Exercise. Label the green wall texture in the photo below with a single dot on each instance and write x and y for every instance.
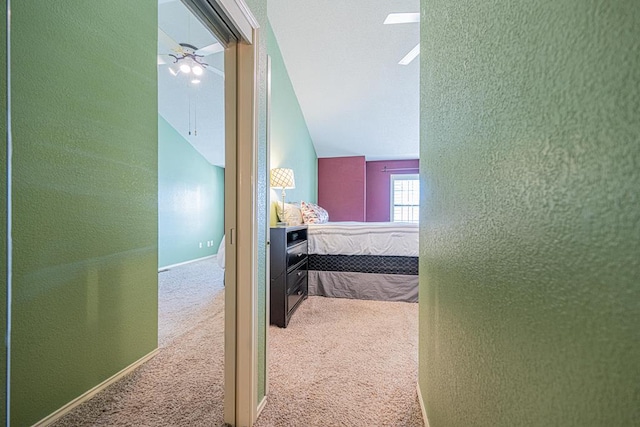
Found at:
(190, 200)
(291, 144)
(85, 197)
(3, 208)
(530, 226)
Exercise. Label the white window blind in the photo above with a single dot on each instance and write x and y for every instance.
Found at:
(405, 198)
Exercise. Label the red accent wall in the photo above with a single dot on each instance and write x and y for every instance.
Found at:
(378, 188)
(342, 187)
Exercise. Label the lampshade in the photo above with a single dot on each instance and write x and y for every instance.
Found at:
(282, 178)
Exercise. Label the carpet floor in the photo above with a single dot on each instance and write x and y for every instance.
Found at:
(344, 362)
(183, 291)
(339, 363)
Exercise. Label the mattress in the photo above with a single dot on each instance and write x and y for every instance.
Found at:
(364, 260)
(364, 238)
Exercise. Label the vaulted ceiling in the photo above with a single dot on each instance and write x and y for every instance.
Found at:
(343, 64)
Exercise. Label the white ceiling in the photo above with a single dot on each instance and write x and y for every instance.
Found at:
(198, 108)
(343, 64)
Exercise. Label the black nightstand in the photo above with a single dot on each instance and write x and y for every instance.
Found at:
(289, 284)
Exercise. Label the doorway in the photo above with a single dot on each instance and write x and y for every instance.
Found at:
(219, 44)
(237, 30)
(208, 65)
(191, 158)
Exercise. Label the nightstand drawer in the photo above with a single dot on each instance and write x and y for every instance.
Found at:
(296, 254)
(295, 297)
(297, 236)
(296, 277)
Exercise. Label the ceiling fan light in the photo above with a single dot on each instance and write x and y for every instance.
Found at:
(185, 68)
(195, 81)
(197, 70)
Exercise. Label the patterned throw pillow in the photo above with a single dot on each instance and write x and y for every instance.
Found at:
(313, 214)
(292, 214)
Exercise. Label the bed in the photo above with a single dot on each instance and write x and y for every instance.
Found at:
(364, 260)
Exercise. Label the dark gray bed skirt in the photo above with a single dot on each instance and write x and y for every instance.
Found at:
(371, 286)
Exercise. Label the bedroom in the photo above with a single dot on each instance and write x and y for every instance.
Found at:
(292, 146)
(191, 144)
(365, 135)
(355, 188)
(185, 121)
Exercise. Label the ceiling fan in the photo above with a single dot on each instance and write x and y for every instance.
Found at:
(405, 18)
(187, 58)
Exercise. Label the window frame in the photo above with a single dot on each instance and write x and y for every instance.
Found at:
(392, 204)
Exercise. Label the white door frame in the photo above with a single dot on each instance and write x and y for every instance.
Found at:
(241, 374)
(241, 40)
(268, 240)
(244, 296)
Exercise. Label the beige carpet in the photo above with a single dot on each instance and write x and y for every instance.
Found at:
(344, 362)
(339, 363)
(182, 292)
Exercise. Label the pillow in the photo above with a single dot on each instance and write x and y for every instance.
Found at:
(291, 215)
(313, 214)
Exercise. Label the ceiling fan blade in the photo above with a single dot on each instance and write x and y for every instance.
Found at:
(402, 18)
(214, 70)
(168, 42)
(413, 53)
(210, 50)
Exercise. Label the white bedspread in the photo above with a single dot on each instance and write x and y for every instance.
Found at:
(364, 238)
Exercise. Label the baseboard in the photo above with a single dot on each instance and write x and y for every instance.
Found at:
(89, 394)
(261, 406)
(422, 408)
(186, 262)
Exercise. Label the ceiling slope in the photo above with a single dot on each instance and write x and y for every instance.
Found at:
(343, 64)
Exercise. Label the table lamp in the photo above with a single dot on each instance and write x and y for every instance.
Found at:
(282, 178)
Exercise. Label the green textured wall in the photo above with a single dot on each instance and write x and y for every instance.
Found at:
(85, 196)
(259, 10)
(3, 206)
(190, 200)
(530, 227)
(291, 144)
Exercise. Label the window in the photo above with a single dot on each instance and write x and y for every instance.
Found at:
(405, 198)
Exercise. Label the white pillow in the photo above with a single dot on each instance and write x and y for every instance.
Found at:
(313, 214)
(292, 214)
